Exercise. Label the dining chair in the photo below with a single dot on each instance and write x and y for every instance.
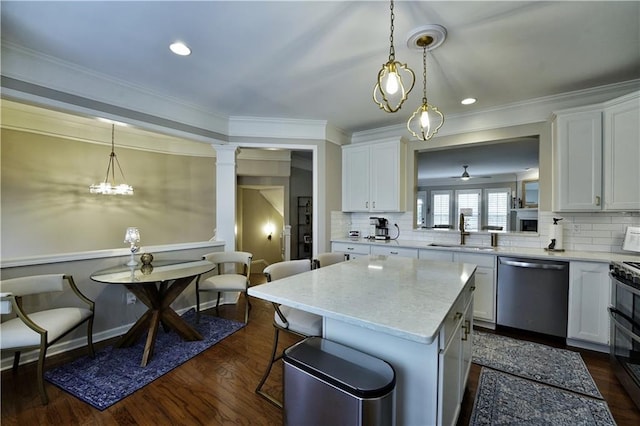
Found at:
(326, 259)
(42, 328)
(294, 321)
(226, 281)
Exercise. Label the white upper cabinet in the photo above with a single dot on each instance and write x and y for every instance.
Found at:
(578, 160)
(621, 143)
(596, 154)
(373, 177)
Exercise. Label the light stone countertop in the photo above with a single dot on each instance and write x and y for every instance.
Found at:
(538, 253)
(407, 298)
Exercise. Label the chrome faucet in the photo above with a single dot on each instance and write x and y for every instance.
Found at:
(463, 233)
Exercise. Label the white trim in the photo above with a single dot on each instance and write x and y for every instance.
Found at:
(101, 254)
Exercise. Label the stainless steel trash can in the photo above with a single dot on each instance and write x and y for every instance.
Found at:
(326, 383)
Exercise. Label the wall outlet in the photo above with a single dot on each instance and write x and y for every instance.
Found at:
(131, 298)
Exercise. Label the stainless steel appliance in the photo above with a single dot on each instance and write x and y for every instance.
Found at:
(533, 295)
(625, 325)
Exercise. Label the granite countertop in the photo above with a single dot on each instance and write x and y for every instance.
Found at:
(538, 253)
(407, 298)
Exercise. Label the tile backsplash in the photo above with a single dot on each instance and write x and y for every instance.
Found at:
(602, 232)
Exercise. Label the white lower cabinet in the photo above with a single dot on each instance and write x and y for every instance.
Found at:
(455, 358)
(394, 251)
(484, 305)
(353, 250)
(589, 298)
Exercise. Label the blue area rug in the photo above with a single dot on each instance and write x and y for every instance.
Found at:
(545, 364)
(504, 399)
(115, 373)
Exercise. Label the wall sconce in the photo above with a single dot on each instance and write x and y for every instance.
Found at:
(269, 229)
(132, 236)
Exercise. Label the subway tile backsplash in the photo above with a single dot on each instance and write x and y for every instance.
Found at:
(603, 232)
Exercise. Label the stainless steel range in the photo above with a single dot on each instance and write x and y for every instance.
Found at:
(625, 325)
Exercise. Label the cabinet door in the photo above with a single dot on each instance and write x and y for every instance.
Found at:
(450, 375)
(622, 154)
(578, 162)
(386, 192)
(589, 297)
(467, 343)
(355, 179)
(485, 283)
(354, 250)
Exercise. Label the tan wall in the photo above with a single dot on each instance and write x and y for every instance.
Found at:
(46, 207)
(256, 212)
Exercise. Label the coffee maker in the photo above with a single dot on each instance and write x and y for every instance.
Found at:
(381, 227)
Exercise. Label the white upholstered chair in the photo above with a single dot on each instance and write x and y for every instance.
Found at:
(41, 329)
(288, 319)
(226, 281)
(326, 259)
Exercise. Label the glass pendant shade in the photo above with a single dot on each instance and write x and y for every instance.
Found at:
(109, 187)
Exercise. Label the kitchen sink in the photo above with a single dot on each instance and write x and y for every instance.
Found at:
(465, 247)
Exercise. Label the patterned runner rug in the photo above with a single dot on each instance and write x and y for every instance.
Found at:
(556, 367)
(115, 373)
(504, 399)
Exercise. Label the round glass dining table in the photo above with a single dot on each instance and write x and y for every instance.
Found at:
(156, 285)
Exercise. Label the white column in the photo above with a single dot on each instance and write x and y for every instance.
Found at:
(226, 194)
(286, 241)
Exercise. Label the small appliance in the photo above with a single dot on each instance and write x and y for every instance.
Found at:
(381, 228)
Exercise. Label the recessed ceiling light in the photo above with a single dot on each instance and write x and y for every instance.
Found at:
(179, 48)
(468, 101)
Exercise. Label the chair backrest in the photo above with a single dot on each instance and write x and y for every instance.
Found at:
(225, 257)
(326, 259)
(286, 268)
(34, 284)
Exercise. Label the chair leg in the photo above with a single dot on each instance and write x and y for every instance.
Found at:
(273, 359)
(92, 352)
(16, 360)
(218, 304)
(43, 392)
(246, 308)
(197, 306)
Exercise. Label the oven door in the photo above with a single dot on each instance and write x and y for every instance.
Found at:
(625, 336)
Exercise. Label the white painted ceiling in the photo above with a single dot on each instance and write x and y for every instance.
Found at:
(318, 60)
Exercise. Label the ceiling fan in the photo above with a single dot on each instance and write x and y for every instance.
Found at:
(465, 175)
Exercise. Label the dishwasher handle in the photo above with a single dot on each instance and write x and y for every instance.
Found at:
(532, 265)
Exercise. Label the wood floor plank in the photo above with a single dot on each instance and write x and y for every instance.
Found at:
(217, 386)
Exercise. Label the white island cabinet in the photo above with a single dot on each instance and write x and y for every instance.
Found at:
(414, 314)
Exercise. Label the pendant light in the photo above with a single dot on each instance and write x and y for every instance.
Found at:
(109, 187)
(395, 80)
(425, 122)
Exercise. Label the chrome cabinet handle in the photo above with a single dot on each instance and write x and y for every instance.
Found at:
(467, 327)
(374, 204)
(393, 252)
(366, 204)
(597, 200)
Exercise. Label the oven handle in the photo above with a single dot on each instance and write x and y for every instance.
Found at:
(612, 313)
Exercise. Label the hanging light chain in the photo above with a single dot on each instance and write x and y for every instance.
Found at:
(424, 75)
(392, 50)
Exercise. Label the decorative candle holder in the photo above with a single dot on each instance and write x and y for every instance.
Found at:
(132, 236)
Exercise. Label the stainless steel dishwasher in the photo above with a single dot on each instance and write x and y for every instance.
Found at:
(533, 295)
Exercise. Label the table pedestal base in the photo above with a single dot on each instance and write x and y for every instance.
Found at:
(158, 299)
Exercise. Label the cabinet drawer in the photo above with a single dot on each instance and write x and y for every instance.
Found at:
(442, 255)
(483, 260)
(362, 249)
(453, 320)
(394, 251)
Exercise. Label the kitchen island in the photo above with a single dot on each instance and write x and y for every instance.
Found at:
(415, 314)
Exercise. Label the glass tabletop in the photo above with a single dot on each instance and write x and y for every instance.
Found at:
(158, 271)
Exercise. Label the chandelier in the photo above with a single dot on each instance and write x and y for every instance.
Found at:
(109, 187)
(425, 122)
(390, 90)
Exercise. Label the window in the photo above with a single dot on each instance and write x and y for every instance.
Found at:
(469, 204)
(441, 208)
(498, 208)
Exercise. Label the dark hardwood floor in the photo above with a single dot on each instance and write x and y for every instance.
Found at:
(217, 386)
